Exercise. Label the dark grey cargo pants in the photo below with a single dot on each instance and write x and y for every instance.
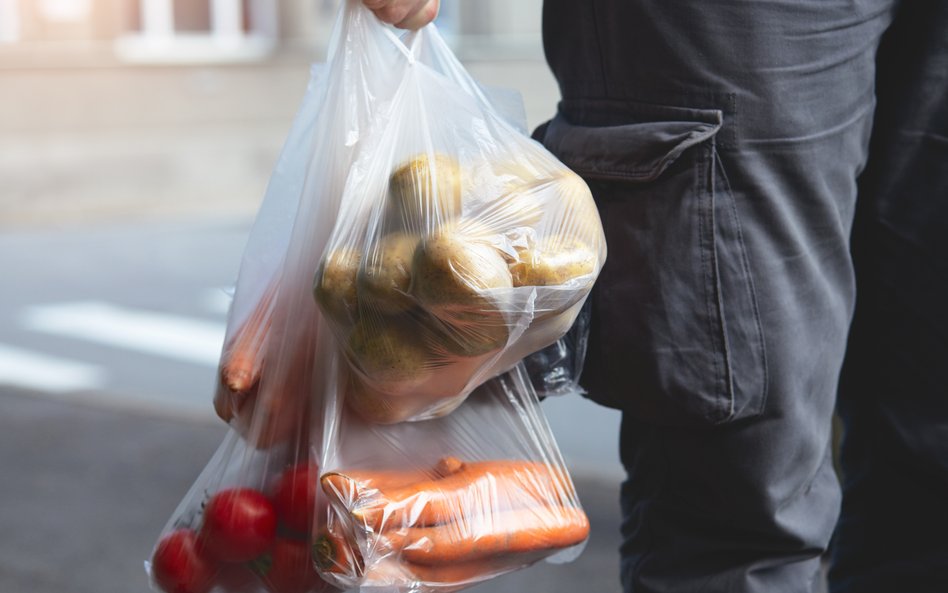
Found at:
(723, 141)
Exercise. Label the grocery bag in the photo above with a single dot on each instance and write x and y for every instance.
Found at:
(247, 522)
(460, 246)
(246, 525)
(557, 369)
(297, 380)
(447, 503)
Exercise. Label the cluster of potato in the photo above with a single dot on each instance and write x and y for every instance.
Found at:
(434, 298)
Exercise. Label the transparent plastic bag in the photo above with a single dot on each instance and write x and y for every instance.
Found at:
(461, 245)
(447, 503)
(268, 372)
(246, 524)
(284, 380)
(556, 370)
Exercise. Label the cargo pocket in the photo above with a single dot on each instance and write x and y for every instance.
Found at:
(675, 332)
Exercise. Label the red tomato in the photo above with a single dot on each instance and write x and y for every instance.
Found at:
(294, 497)
(239, 524)
(290, 568)
(180, 566)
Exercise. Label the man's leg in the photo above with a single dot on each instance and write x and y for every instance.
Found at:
(721, 316)
(893, 532)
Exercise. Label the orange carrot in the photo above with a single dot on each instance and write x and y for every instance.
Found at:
(447, 577)
(447, 466)
(242, 359)
(228, 404)
(365, 482)
(509, 484)
(353, 488)
(333, 553)
(497, 535)
(458, 573)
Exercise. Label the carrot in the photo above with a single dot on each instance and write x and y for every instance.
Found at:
(353, 484)
(493, 483)
(448, 577)
(497, 535)
(333, 553)
(354, 488)
(228, 404)
(469, 572)
(242, 359)
(447, 466)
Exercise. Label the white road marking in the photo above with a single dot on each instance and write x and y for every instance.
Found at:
(47, 373)
(171, 336)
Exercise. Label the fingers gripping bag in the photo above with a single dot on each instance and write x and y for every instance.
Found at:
(246, 523)
(447, 503)
(461, 245)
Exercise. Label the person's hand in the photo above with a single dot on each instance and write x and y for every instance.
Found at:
(404, 14)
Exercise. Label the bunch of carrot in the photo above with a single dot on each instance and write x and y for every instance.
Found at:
(242, 359)
(267, 412)
(459, 523)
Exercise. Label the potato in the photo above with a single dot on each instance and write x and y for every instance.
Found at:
(452, 275)
(392, 354)
(386, 278)
(523, 167)
(379, 408)
(553, 261)
(427, 191)
(544, 330)
(433, 391)
(517, 201)
(577, 210)
(335, 285)
(470, 338)
(523, 206)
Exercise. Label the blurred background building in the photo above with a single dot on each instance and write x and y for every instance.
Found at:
(56, 32)
(111, 109)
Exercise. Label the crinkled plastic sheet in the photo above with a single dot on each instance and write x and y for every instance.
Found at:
(290, 376)
(461, 245)
(446, 503)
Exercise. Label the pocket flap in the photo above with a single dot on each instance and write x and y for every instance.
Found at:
(634, 152)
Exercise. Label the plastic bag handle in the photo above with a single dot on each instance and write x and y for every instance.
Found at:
(409, 49)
